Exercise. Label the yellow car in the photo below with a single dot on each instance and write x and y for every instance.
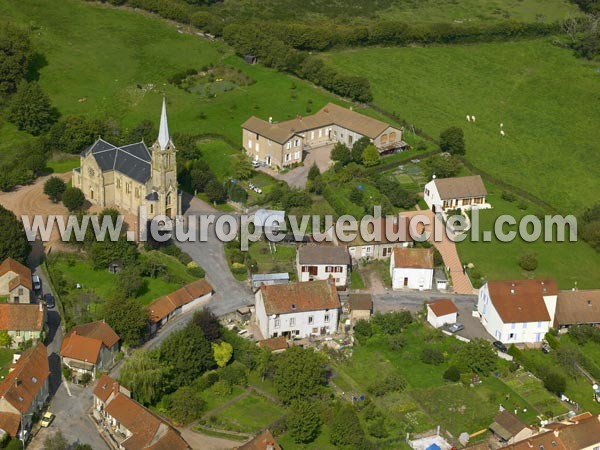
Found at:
(47, 419)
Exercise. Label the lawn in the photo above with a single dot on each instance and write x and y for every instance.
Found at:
(249, 414)
(63, 163)
(278, 258)
(545, 98)
(218, 154)
(499, 260)
(6, 356)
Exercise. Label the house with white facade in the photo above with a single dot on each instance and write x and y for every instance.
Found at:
(441, 312)
(321, 262)
(23, 322)
(298, 309)
(518, 311)
(412, 268)
(442, 194)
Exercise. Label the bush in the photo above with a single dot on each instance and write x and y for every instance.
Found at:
(508, 196)
(73, 198)
(363, 330)
(432, 355)
(392, 383)
(234, 374)
(452, 374)
(184, 258)
(452, 140)
(196, 271)
(221, 388)
(552, 341)
(54, 188)
(554, 381)
(528, 261)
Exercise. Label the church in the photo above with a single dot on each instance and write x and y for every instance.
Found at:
(131, 176)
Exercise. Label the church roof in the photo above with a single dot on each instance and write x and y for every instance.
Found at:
(133, 160)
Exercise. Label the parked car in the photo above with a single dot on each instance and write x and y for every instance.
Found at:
(455, 327)
(47, 419)
(255, 164)
(500, 346)
(49, 299)
(37, 283)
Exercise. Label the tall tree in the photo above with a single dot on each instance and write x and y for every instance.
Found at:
(128, 318)
(222, 353)
(299, 374)
(145, 376)
(188, 353)
(304, 421)
(452, 140)
(15, 56)
(13, 241)
(73, 198)
(215, 191)
(54, 188)
(186, 405)
(370, 156)
(346, 430)
(340, 153)
(208, 323)
(30, 108)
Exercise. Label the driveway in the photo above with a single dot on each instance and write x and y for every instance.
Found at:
(297, 177)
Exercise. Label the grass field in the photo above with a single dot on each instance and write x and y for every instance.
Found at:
(546, 98)
(352, 11)
(6, 355)
(249, 414)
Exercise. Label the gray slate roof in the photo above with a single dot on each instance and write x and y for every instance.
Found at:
(133, 160)
(323, 254)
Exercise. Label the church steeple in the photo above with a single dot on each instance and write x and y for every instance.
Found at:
(163, 134)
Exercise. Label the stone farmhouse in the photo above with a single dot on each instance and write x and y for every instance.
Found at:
(15, 281)
(321, 262)
(23, 323)
(282, 144)
(132, 176)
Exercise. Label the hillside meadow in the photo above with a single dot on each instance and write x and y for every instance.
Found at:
(546, 99)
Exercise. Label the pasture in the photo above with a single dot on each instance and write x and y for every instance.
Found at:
(546, 99)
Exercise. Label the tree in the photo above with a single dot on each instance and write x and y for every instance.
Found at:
(242, 167)
(30, 109)
(432, 355)
(358, 148)
(143, 131)
(363, 330)
(345, 428)
(129, 282)
(188, 353)
(215, 191)
(356, 195)
(54, 188)
(391, 322)
(222, 353)
(128, 318)
(5, 339)
(370, 156)
(14, 243)
(313, 172)
(144, 375)
(73, 134)
(477, 356)
(340, 153)
(452, 374)
(452, 140)
(554, 381)
(304, 421)
(234, 373)
(102, 253)
(528, 261)
(206, 320)
(56, 442)
(15, 56)
(442, 166)
(186, 405)
(299, 374)
(73, 198)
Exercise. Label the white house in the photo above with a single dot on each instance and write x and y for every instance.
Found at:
(412, 268)
(518, 311)
(441, 312)
(320, 262)
(298, 309)
(451, 193)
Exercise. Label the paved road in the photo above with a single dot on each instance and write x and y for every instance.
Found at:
(297, 177)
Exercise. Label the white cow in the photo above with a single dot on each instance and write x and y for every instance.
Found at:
(468, 118)
(502, 132)
(473, 118)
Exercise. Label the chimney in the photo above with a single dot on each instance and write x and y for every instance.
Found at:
(556, 433)
(41, 306)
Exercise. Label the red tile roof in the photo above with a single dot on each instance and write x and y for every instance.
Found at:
(274, 344)
(295, 297)
(360, 302)
(81, 348)
(23, 274)
(518, 301)
(413, 258)
(323, 254)
(443, 307)
(21, 317)
(31, 371)
(163, 306)
(10, 423)
(578, 307)
(97, 330)
(149, 432)
(264, 441)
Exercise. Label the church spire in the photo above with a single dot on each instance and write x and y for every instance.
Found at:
(163, 133)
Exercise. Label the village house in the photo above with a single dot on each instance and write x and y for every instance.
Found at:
(321, 262)
(412, 268)
(15, 281)
(509, 428)
(298, 310)
(443, 194)
(274, 345)
(90, 347)
(577, 307)
(382, 236)
(441, 312)
(24, 391)
(183, 299)
(132, 176)
(282, 144)
(264, 441)
(23, 323)
(518, 311)
(129, 425)
(360, 307)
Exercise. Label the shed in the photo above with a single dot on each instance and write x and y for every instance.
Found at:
(440, 278)
(441, 312)
(270, 279)
(510, 428)
(115, 266)
(250, 59)
(360, 307)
